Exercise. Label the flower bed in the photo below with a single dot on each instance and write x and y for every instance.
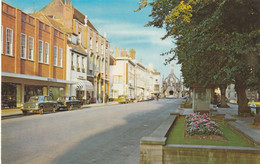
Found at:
(201, 125)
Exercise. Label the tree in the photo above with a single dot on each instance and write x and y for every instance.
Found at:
(213, 38)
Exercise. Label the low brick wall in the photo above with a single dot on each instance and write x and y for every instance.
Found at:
(153, 150)
(200, 154)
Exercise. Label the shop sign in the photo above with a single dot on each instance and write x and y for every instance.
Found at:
(52, 79)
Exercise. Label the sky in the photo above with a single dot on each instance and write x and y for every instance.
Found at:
(124, 28)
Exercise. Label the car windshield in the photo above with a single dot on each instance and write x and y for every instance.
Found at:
(36, 99)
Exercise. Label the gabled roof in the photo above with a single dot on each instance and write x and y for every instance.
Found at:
(81, 17)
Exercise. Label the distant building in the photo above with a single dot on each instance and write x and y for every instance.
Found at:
(172, 87)
(130, 77)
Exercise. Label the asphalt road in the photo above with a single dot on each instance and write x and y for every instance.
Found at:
(101, 135)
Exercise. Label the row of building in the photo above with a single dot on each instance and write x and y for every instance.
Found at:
(57, 51)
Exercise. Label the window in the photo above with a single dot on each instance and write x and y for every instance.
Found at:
(9, 41)
(60, 56)
(23, 46)
(40, 51)
(97, 46)
(46, 53)
(2, 39)
(31, 48)
(83, 66)
(72, 64)
(102, 48)
(90, 43)
(55, 55)
(77, 60)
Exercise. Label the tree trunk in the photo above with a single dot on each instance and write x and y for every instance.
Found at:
(223, 97)
(242, 98)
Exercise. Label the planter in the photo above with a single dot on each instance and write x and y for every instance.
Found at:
(155, 149)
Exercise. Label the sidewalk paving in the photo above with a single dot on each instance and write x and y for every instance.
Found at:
(242, 124)
(17, 111)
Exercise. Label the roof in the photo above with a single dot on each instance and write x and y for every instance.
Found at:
(81, 17)
(77, 47)
(55, 23)
(58, 24)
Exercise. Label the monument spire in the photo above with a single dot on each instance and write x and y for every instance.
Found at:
(172, 68)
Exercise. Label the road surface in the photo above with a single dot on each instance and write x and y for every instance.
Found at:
(101, 135)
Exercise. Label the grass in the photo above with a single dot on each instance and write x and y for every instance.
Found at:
(233, 139)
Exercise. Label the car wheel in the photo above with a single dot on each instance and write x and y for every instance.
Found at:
(25, 112)
(70, 107)
(41, 110)
(53, 109)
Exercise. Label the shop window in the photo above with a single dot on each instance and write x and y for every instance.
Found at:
(11, 95)
(32, 90)
(56, 92)
(23, 46)
(9, 41)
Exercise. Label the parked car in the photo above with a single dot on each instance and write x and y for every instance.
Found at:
(140, 99)
(123, 99)
(69, 102)
(8, 101)
(39, 104)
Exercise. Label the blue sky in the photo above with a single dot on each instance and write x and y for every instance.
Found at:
(124, 27)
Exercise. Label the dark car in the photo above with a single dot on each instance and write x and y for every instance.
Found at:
(39, 104)
(8, 101)
(69, 102)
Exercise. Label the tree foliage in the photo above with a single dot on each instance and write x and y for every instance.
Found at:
(214, 38)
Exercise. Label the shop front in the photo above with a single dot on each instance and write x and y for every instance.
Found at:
(82, 89)
(17, 88)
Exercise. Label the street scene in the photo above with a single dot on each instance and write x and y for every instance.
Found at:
(128, 82)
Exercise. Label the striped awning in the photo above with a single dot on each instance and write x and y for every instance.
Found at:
(84, 85)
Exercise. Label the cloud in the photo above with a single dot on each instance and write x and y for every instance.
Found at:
(130, 33)
(28, 10)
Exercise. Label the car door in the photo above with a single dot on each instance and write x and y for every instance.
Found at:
(46, 103)
(51, 102)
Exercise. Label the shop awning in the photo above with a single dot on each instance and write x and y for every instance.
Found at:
(84, 85)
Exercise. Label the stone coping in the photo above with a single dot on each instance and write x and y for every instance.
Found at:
(159, 136)
(212, 147)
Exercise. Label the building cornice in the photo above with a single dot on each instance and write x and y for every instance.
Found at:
(31, 77)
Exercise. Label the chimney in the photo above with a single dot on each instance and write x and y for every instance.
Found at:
(123, 53)
(105, 35)
(132, 54)
(86, 20)
(116, 52)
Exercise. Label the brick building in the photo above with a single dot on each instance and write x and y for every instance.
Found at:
(33, 57)
(87, 50)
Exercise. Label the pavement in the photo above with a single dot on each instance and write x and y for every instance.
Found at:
(16, 111)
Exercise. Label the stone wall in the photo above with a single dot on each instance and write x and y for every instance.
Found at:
(198, 154)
